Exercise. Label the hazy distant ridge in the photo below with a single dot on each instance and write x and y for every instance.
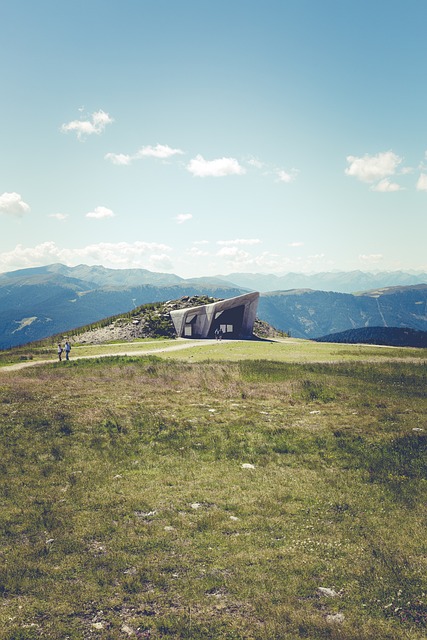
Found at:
(340, 281)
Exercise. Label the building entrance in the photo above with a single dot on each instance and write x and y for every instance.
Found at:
(230, 321)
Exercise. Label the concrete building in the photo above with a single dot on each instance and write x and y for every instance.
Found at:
(234, 316)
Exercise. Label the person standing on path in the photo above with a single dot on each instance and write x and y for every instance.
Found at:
(60, 350)
(67, 350)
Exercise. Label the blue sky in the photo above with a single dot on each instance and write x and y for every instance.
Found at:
(203, 138)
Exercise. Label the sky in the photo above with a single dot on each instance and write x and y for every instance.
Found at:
(202, 138)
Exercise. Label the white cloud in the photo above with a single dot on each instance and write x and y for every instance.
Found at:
(285, 176)
(282, 175)
(254, 162)
(160, 261)
(372, 168)
(162, 151)
(370, 259)
(83, 128)
(239, 241)
(385, 185)
(238, 255)
(121, 254)
(295, 244)
(58, 216)
(220, 167)
(23, 257)
(422, 182)
(118, 255)
(118, 158)
(183, 217)
(195, 252)
(13, 204)
(237, 259)
(99, 213)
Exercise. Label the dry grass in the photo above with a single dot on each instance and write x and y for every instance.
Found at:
(126, 508)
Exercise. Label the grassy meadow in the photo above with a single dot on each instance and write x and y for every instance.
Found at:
(233, 491)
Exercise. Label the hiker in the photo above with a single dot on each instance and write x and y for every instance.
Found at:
(67, 350)
(60, 350)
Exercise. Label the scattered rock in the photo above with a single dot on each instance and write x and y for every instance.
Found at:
(195, 505)
(247, 465)
(98, 625)
(325, 591)
(335, 618)
(128, 630)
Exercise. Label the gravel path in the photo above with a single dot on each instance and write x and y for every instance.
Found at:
(139, 352)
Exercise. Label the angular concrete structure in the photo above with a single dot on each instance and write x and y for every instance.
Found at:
(235, 317)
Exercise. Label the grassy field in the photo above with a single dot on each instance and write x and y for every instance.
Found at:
(48, 352)
(284, 350)
(232, 491)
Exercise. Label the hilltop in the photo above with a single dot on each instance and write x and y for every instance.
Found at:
(150, 321)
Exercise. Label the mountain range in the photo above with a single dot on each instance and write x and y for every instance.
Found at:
(305, 313)
(337, 281)
(43, 301)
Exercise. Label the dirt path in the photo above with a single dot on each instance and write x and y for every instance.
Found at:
(139, 352)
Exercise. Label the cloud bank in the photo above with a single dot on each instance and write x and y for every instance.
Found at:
(239, 241)
(13, 204)
(422, 182)
(146, 255)
(100, 213)
(83, 128)
(183, 217)
(220, 167)
(160, 151)
(375, 169)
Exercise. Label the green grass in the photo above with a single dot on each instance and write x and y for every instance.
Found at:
(125, 505)
(294, 350)
(284, 350)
